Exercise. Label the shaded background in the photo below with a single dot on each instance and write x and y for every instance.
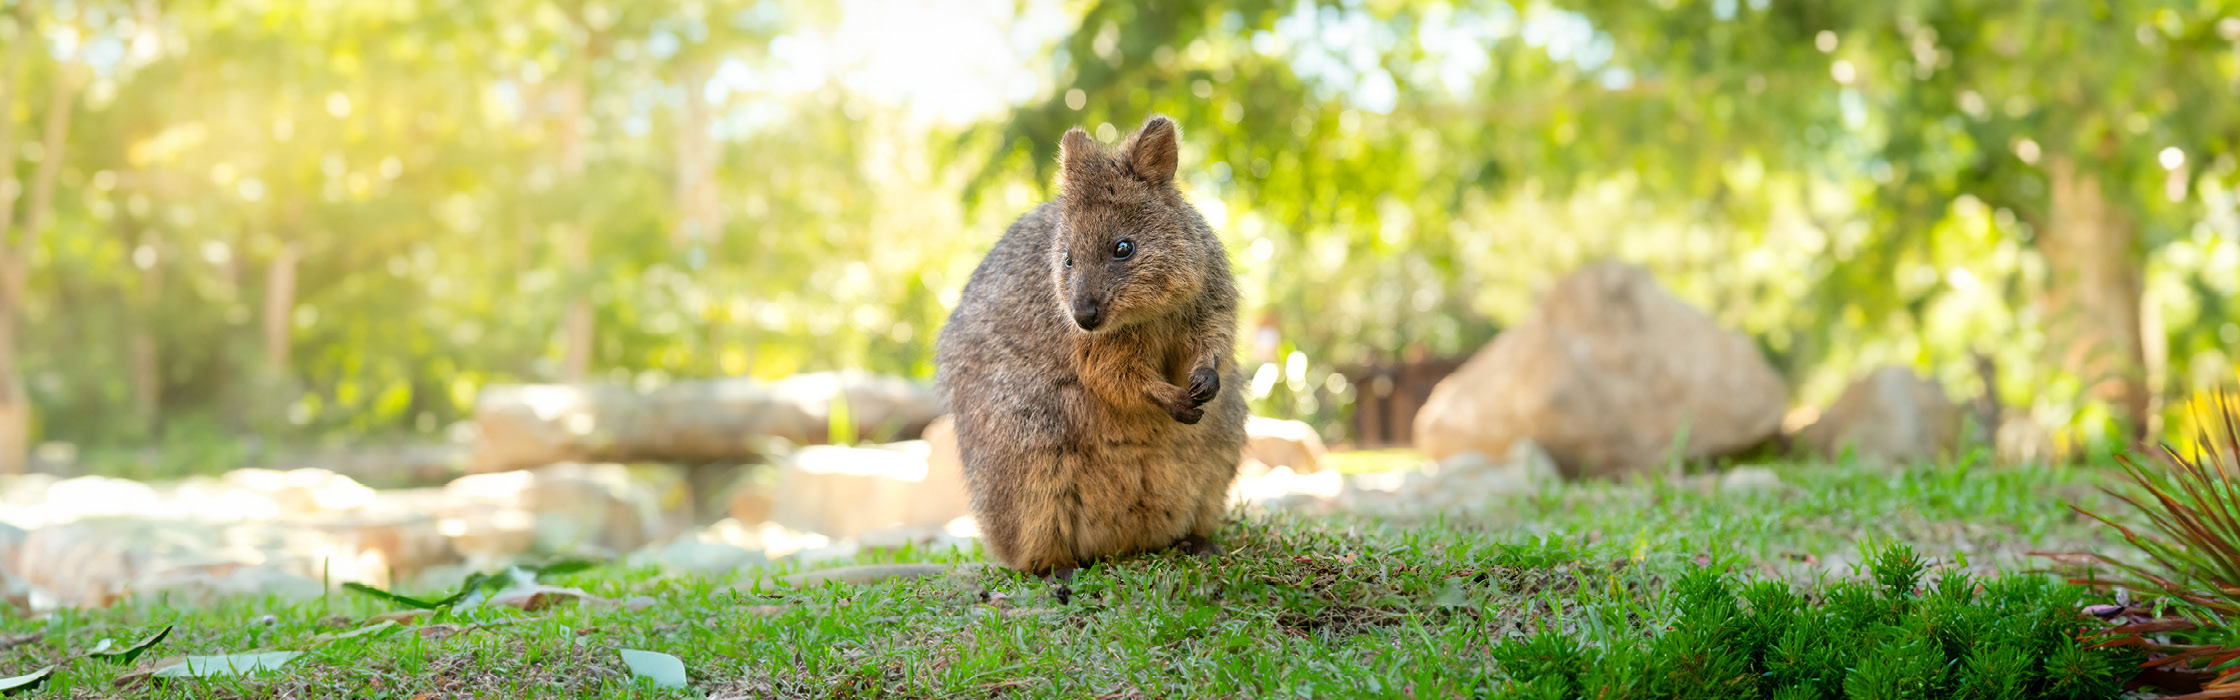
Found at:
(235, 227)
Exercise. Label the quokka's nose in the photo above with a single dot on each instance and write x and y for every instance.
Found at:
(1088, 316)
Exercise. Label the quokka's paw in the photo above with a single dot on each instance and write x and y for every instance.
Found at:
(1205, 384)
(1186, 414)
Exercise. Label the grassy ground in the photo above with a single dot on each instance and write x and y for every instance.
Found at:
(1305, 605)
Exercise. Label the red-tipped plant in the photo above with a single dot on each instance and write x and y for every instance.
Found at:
(2191, 543)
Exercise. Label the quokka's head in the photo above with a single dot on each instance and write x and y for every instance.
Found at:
(1129, 248)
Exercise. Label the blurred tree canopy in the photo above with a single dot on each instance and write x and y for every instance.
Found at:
(341, 219)
(1854, 183)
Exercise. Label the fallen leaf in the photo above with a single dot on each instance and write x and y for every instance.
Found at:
(473, 585)
(536, 598)
(145, 669)
(407, 601)
(28, 681)
(664, 670)
(13, 642)
(401, 617)
(560, 568)
(369, 629)
(227, 665)
(376, 628)
(131, 653)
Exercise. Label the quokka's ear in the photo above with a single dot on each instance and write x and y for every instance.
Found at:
(1078, 156)
(1151, 152)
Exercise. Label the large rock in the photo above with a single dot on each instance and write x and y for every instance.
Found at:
(842, 492)
(1463, 481)
(386, 466)
(1890, 415)
(565, 509)
(1608, 375)
(728, 420)
(98, 560)
(89, 540)
(1277, 444)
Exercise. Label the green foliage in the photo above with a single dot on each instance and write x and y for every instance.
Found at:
(1549, 660)
(2075, 673)
(2017, 640)
(1899, 670)
(446, 187)
(1620, 673)
(1994, 673)
(1898, 569)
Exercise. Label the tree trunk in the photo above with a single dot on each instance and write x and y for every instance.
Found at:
(15, 410)
(143, 354)
(699, 206)
(279, 309)
(15, 402)
(2092, 298)
(15, 268)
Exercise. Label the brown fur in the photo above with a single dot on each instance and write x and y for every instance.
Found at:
(1082, 445)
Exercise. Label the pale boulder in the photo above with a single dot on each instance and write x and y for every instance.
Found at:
(1608, 376)
(1749, 479)
(1891, 415)
(98, 560)
(841, 492)
(1276, 443)
(1463, 481)
(725, 420)
(578, 509)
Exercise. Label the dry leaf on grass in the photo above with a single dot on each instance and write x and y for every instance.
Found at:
(534, 598)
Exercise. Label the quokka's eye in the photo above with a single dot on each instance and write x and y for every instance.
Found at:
(1069, 261)
(1123, 249)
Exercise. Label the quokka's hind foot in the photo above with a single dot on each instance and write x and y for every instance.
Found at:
(1199, 546)
(1064, 580)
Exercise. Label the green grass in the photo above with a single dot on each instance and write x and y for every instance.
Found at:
(1309, 606)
